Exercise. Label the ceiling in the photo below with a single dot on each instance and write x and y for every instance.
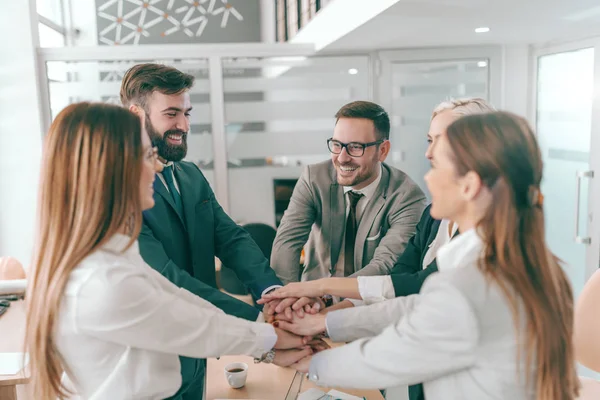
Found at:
(426, 23)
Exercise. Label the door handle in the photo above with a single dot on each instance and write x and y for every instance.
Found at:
(580, 176)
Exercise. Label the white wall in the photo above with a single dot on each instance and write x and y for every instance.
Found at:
(83, 18)
(20, 131)
(516, 80)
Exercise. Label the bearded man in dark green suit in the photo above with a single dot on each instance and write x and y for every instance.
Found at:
(187, 228)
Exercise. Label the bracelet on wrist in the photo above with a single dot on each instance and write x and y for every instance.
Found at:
(266, 358)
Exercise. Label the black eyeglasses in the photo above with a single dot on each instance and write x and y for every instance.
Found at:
(354, 149)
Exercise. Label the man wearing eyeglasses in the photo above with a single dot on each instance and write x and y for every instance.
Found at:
(354, 213)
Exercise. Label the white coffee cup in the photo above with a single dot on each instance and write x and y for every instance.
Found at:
(236, 374)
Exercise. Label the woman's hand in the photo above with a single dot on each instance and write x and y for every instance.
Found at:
(285, 358)
(310, 325)
(303, 365)
(318, 345)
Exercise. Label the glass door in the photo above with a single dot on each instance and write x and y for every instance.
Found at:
(565, 86)
(413, 82)
(565, 125)
(417, 88)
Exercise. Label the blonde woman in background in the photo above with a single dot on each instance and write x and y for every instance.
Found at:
(95, 310)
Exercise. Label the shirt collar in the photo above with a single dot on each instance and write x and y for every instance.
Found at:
(463, 250)
(445, 223)
(167, 164)
(118, 242)
(369, 190)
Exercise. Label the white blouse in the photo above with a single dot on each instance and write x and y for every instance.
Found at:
(374, 289)
(122, 326)
(457, 336)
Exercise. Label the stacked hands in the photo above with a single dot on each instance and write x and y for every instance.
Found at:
(297, 312)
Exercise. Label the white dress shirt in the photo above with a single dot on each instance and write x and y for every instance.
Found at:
(367, 192)
(374, 289)
(162, 178)
(122, 326)
(367, 195)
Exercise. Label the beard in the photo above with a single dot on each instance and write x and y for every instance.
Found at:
(166, 150)
(362, 175)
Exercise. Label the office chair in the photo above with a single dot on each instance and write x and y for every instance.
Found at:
(264, 236)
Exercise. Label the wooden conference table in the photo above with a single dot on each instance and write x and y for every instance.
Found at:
(265, 382)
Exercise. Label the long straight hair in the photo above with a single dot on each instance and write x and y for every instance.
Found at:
(501, 148)
(89, 191)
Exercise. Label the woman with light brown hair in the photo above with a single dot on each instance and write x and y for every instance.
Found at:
(96, 311)
(496, 321)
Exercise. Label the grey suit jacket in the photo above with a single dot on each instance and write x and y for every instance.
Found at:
(317, 214)
(457, 337)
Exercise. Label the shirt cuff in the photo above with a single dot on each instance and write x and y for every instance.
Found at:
(375, 289)
(327, 328)
(261, 317)
(267, 332)
(272, 287)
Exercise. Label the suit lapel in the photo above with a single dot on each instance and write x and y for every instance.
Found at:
(337, 221)
(186, 188)
(367, 219)
(160, 188)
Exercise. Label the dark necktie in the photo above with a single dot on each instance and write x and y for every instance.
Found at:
(350, 238)
(167, 173)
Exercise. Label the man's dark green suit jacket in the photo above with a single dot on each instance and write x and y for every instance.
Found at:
(183, 249)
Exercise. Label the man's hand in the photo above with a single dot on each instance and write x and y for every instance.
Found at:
(309, 305)
(296, 290)
(269, 310)
(288, 340)
(285, 358)
(310, 325)
(287, 306)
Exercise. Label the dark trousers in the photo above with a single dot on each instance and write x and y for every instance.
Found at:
(192, 379)
(415, 392)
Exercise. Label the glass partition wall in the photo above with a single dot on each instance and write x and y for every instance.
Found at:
(260, 112)
(279, 113)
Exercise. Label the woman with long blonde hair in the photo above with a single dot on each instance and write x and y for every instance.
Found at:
(96, 311)
(496, 321)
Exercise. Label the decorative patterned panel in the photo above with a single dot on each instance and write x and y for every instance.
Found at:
(129, 21)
